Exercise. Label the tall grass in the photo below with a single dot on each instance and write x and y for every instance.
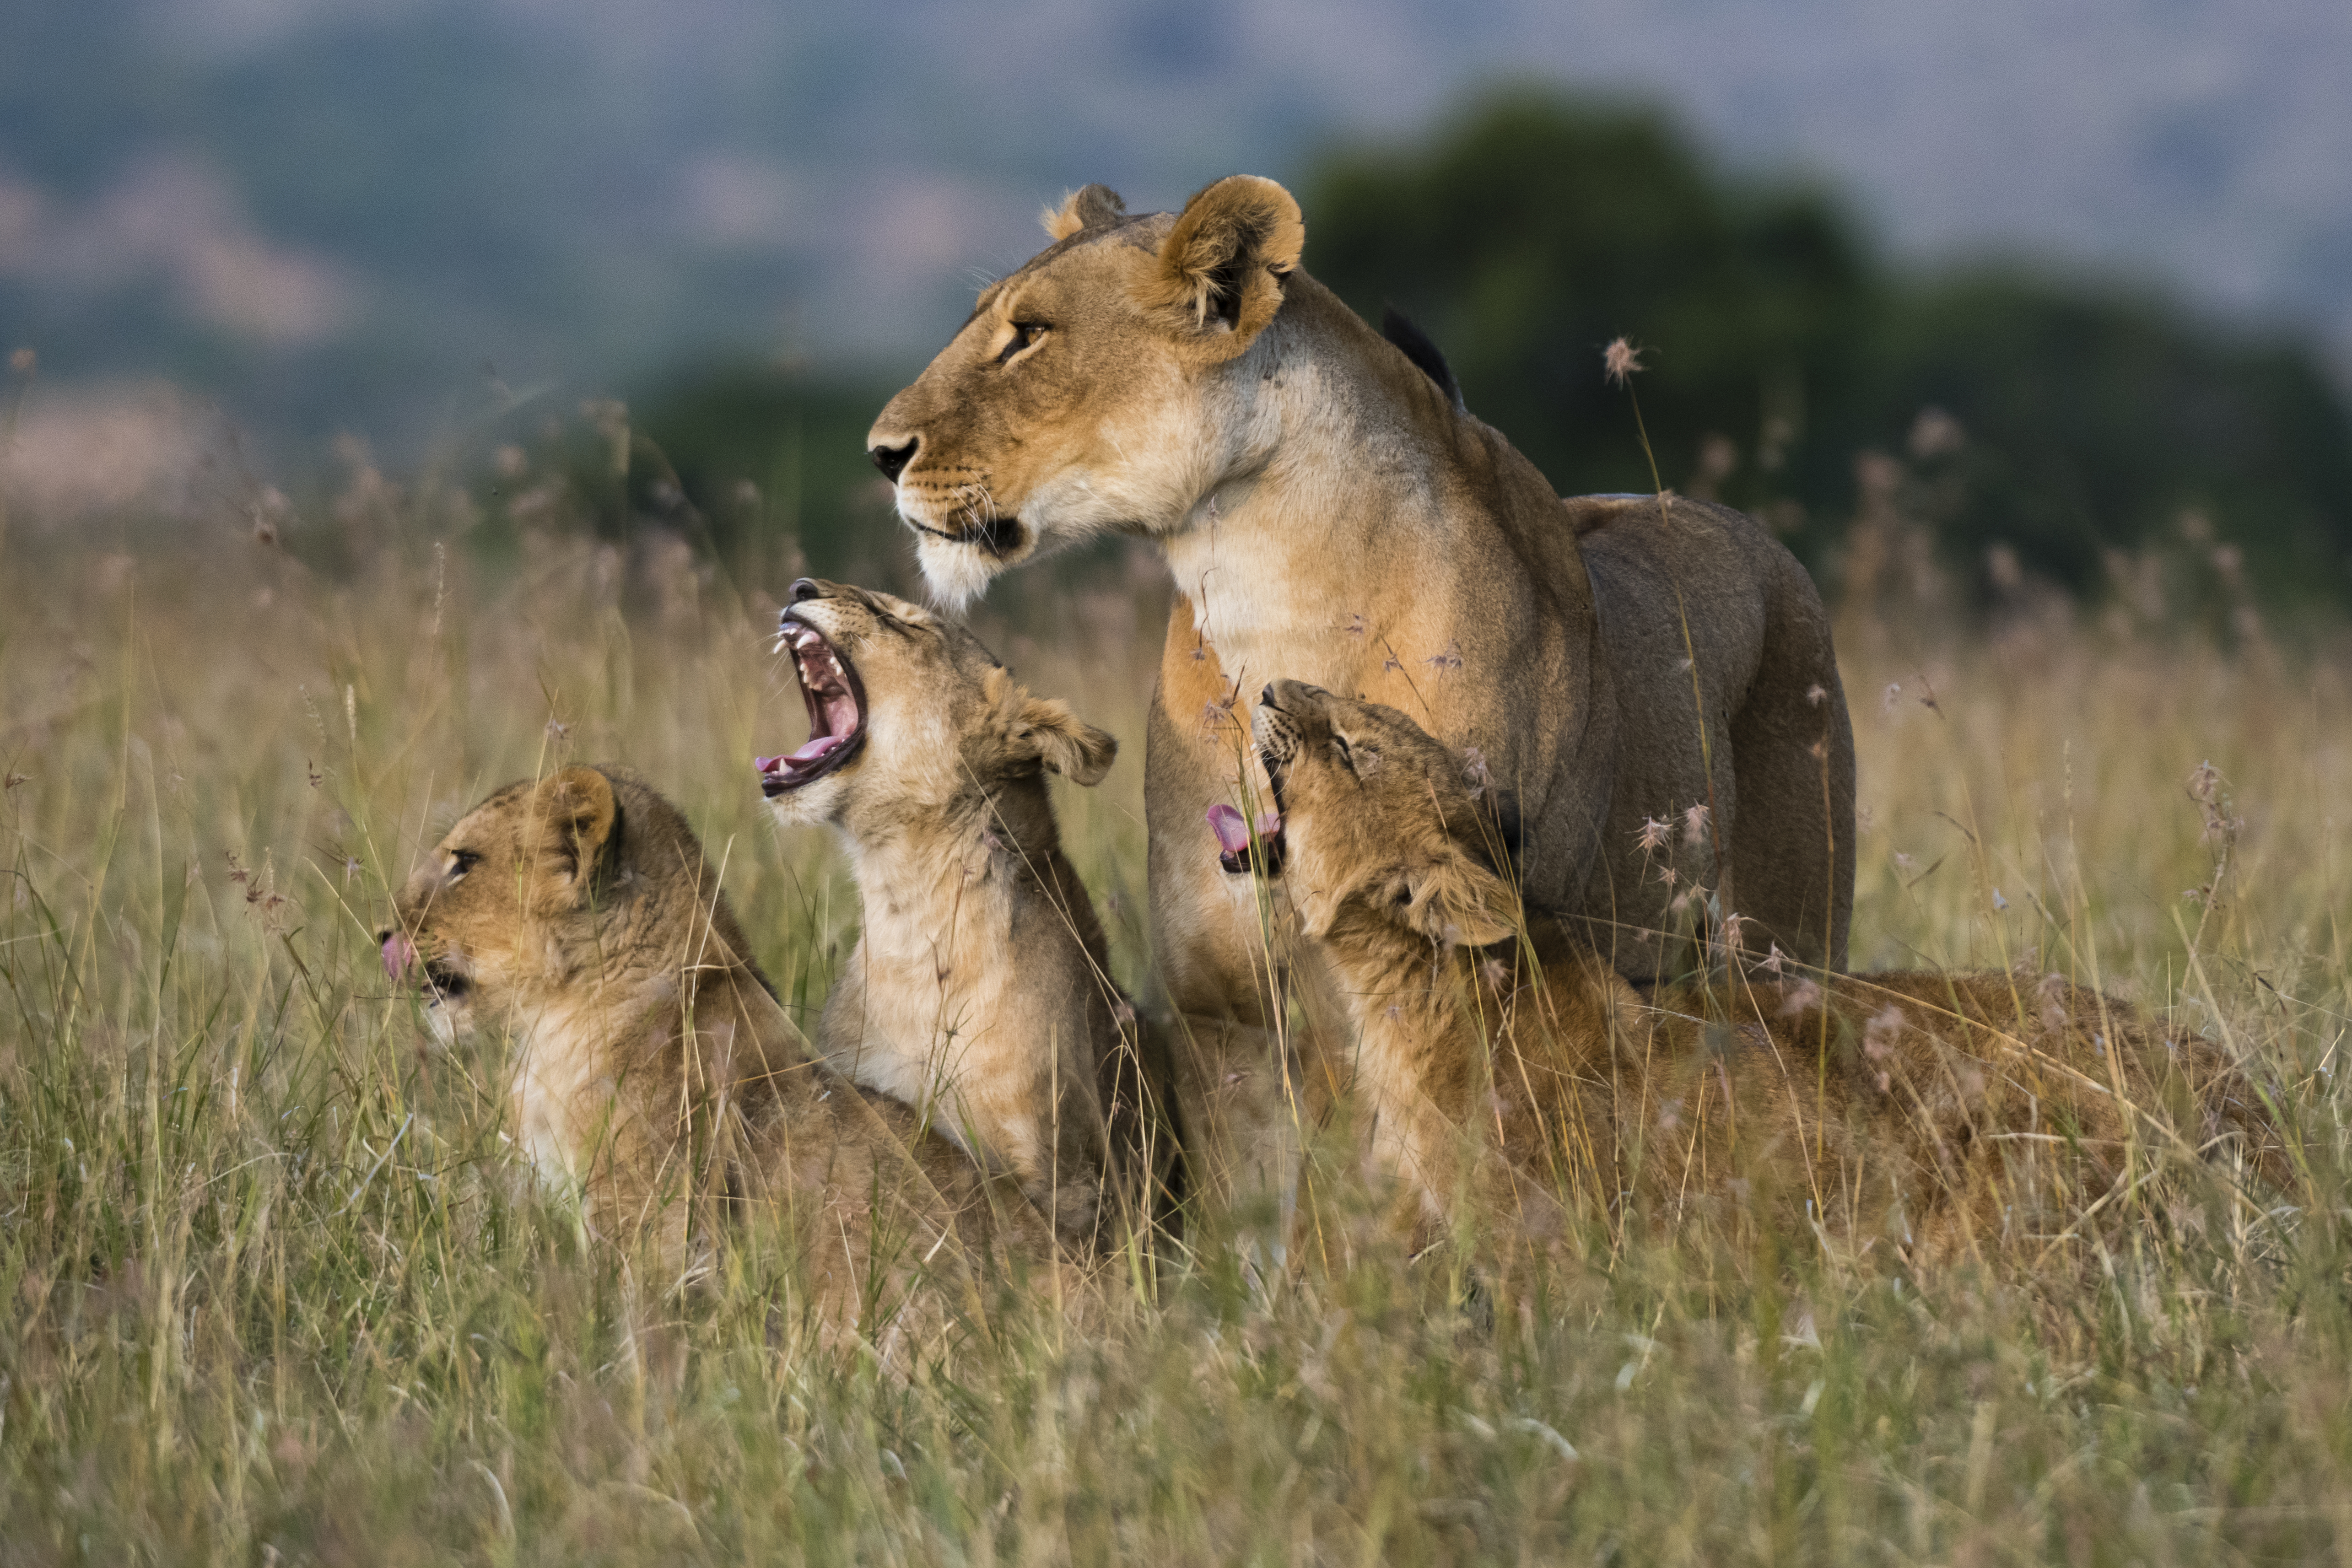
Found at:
(273, 1286)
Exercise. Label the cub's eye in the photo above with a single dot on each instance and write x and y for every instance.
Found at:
(461, 862)
(1024, 334)
(1347, 756)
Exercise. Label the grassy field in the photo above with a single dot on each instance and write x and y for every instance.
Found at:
(272, 1288)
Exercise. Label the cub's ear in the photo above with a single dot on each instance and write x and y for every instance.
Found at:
(575, 813)
(1089, 207)
(1046, 729)
(1217, 280)
(1456, 903)
(1065, 742)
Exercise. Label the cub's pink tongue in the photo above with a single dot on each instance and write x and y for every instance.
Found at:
(399, 954)
(807, 757)
(1233, 833)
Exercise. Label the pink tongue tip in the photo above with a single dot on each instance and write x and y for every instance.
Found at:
(767, 764)
(1233, 833)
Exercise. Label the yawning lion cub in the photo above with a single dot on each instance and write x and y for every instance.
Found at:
(1932, 1110)
(981, 987)
(652, 1064)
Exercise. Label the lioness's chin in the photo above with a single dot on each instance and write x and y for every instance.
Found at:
(958, 573)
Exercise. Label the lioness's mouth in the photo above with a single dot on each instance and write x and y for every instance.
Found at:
(999, 536)
(836, 709)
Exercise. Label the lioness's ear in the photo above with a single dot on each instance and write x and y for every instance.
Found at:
(1065, 742)
(1087, 207)
(575, 812)
(1456, 903)
(1218, 278)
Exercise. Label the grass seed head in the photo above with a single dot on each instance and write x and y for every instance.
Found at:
(1621, 360)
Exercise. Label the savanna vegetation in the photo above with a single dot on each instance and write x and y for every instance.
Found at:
(277, 1288)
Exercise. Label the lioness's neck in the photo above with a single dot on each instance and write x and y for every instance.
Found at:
(1337, 464)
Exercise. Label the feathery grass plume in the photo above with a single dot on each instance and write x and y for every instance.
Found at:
(1620, 360)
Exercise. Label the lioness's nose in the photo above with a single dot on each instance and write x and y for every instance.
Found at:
(893, 460)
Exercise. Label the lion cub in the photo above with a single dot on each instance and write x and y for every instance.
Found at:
(653, 1059)
(1932, 1110)
(980, 990)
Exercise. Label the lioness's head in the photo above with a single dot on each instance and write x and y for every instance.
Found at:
(532, 887)
(1378, 822)
(906, 711)
(1094, 389)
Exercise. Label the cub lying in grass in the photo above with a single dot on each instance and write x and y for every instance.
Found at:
(980, 987)
(652, 1062)
(1939, 1111)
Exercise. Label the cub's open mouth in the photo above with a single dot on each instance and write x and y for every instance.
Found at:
(1243, 847)
(445, 984)
(837, 710)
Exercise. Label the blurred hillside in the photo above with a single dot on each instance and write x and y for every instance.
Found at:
(333, 214)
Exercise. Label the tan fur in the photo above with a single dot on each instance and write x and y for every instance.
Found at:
(653, 1066)
(1328, 513)
(1939, 1113)
(980, 990)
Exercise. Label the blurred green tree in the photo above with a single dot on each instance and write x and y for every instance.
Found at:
(2073, 415)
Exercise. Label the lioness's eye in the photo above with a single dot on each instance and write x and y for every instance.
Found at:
(1025, 333)
(461, 862)
(1347, 758)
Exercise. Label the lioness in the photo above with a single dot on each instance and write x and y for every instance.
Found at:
(1330, 512)
(652, 1062)
(1932, 1109)
(981, 986)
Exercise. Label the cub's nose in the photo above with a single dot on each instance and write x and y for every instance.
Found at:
(893, 460)
(1299, 694)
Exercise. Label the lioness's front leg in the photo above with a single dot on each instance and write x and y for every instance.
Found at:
(1221, 940)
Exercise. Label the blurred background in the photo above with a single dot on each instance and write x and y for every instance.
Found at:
(2057, 286)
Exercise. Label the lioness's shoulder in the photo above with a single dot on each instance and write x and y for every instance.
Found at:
(1628, 510)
